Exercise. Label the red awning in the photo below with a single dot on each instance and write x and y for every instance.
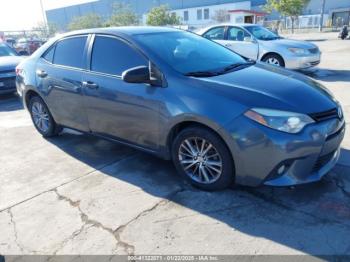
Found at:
(248, 11)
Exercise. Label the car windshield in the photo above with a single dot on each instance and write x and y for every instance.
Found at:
(5, 50)
(189, 53)
(262, 33)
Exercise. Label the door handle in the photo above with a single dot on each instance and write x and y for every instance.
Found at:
(228, 45)
(90, 85)
(41, 73)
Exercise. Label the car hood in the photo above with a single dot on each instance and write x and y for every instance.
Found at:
(272, 87)
(289, 43)
(9, 62)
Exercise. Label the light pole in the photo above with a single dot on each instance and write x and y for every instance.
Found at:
(322, 15)
(44, 16)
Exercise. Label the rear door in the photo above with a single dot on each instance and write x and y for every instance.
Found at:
(216, 34)
(129, 112)
(59, 77)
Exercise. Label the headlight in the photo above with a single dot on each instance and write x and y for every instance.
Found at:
(298, 51)
(280, 120)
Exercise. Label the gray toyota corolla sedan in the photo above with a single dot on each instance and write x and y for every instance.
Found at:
(219, 117)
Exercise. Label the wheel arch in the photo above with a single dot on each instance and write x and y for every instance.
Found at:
(181, 125)
(273, 53)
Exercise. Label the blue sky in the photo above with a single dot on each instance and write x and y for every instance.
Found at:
(25, 14)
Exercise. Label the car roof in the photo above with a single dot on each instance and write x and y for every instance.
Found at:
(203, 30)
(128, 30)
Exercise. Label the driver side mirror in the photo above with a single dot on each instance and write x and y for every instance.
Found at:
(139, 74)
(249, 39)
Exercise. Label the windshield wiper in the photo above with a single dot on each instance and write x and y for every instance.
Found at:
(202, 73)
(235, 66)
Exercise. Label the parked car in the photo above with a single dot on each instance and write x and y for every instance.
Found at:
(11, 42)
(260, 44)
(218, 116)
(9, 59)
(27, 46)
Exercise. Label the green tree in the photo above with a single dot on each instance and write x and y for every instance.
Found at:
(122, 16)
(86, 21)
(291, 8)
(160, 16)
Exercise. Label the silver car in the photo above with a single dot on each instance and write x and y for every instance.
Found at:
(259, 43)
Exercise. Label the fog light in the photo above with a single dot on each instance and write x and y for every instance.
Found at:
(281, 169)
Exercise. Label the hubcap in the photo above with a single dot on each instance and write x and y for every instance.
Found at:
(40, 117)
(273, 61)
(200, 160)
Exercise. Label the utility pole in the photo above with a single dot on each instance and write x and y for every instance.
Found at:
(322, 15)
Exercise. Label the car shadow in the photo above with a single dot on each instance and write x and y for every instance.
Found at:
(313, 219)
(10, 102)
(327, 75)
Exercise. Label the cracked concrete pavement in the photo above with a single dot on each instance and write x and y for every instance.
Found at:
(77, 194)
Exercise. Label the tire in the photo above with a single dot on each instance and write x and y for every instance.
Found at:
(202, 174)
(39, 111)
(274, 59)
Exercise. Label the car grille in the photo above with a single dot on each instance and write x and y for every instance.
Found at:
(7, 71)
(322, 161)
(313, 50)
(8, 82)
(322, 116)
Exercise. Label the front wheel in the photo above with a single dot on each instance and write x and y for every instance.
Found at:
(42, 119)
(202, 158)
(274, 59)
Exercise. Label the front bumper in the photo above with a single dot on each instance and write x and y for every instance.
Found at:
(266, 156)
(302, 62)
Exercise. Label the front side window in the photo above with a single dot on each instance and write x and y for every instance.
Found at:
(237, 34)
(216, 33)
(70, 52)
(262, 33)
(186, 52)
(113, 56)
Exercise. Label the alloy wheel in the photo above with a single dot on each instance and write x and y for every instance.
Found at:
(40, 117)
(273, 61)
(200, 160)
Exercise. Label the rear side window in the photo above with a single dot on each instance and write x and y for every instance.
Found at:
(216, 33)
(113, 56)
(70, 52)
(48, 56)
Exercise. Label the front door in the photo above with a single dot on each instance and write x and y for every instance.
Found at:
(59, 74)
(240, 41)
(129, 112)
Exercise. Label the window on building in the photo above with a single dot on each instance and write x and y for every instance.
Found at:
(185, 15)
(70, 52)
(206, 13)
(199, 14)
(113, 56)
(216, 33)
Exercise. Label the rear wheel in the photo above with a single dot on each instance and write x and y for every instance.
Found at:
(42, 119)
(203, 159)
(274, 59)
